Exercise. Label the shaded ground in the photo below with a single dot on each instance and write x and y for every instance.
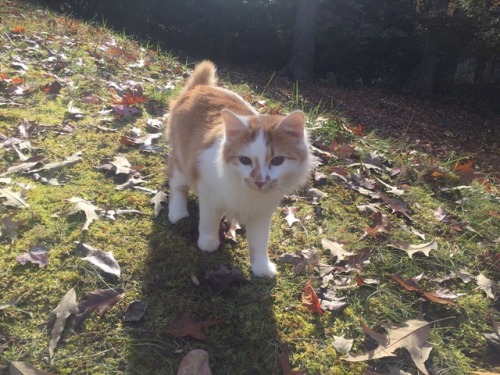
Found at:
(437, 126)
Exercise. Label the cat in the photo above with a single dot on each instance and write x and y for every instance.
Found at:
(239, 162)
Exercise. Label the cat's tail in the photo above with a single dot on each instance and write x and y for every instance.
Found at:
(204, 74)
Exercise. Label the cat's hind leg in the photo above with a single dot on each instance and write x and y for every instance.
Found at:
(177, 204)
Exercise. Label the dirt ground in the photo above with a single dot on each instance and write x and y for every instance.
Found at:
(439, 126)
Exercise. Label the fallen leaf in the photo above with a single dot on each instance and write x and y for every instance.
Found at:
(370, 207)
(222, 278)
(68, 162)
(464, 275)
(320, 178)
(412, 249)
(413, 337)
(24, 368)
(133, 180)
(102, 300)
(411, 285)
(75, 112)
(134, 95)
(111, 214)
(290, 215)
(61, 313)
(301, 260)
(52, 88)
(380, 225)
(465, 170)
(119, 165)
(316, 194)
(8, 227)
(185, 325)
(342, 345)
(357, 131)
(453, 221)
(310, 299)
(18, 29)
(284, 360)
(135, 311)
(397, 205)
(336, 249)
(25, 166)
(104, 261)
(14, 199)
(124, 111)
(230, 232)
(493, 339)
(159, 198)
(26, 128)
(359, 259)
(342, 150)
(485, 285)
(88, 208)
(37, 255)
(195, 362)
(330, 301)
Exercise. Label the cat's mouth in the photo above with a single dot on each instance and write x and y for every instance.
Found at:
(262, 186)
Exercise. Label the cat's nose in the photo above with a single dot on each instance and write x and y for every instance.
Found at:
(260, 184)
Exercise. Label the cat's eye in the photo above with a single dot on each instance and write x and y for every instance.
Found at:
(245, 160)
(277, 160)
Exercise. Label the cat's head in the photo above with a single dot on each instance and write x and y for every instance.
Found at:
(266, 152)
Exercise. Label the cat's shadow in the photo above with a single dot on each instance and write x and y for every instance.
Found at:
(246, 342)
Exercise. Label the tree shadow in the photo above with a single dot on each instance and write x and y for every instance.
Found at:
(174, 281)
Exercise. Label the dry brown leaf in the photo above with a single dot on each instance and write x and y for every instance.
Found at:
(336, 249)
(185, 325)
(195, 362)
(380, 225)
(413, 337)
(61, 313)
(486, 285)
(412, 249)
(285, 363)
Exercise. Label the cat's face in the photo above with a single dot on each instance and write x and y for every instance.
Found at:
(266, 153)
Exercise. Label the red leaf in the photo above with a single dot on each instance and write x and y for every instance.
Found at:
(51, 88)
(18, 29)
(411, 285)
(310, 299)
(185, 325)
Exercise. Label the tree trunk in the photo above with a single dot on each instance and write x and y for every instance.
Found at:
(302, 59)
(424, 82)
(434, 23)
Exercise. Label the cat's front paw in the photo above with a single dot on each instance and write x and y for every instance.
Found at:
(175, 215)
(264, 269)
(208, 244)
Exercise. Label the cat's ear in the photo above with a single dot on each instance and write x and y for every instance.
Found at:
(293, 124)
(235, 125)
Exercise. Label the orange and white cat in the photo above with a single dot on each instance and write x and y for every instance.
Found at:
(240, 162)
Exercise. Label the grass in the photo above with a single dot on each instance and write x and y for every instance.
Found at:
(157, 259)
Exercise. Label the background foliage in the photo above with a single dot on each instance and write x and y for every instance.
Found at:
(382, 42)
